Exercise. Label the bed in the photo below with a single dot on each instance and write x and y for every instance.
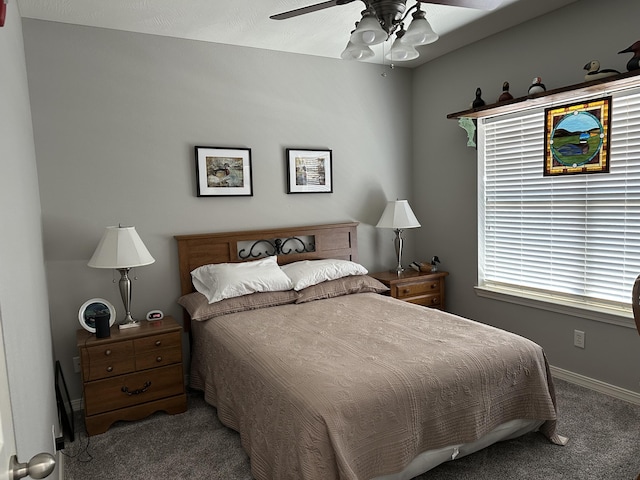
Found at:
(334, 380)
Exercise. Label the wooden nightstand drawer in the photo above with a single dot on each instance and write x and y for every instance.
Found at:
(101, 353)
(109, 368)
(421, 288)
(158, 358)
(133, 389)
(156, 342)
(427, 301)
(413, 289)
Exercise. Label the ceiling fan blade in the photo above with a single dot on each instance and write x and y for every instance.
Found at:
(477, 4)
(309, 9)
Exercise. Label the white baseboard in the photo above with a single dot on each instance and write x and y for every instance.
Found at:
(592, 384)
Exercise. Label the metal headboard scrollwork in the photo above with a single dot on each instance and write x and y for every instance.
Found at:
(277, 246)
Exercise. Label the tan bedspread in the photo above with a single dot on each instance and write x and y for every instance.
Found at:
(356, 386)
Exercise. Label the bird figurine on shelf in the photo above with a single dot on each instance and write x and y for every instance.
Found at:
(594, 72)
(505, 95)
(537, 86)
(634, 62)
(478, 101)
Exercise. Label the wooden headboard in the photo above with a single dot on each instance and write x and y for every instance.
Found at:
(337, 240)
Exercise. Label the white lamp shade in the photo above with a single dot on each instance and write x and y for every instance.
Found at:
(398, 215)
(419, 32)
(120, 247)
(356, 52)
(368, 31)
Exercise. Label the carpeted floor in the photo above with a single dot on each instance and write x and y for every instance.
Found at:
(604, 444)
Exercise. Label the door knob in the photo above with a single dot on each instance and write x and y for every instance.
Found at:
(40, 466)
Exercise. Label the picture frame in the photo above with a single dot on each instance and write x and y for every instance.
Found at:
(93, 307)
(577, 137)
(223, 172)
(309, 171)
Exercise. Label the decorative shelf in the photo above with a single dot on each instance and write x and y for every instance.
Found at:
(617, 82)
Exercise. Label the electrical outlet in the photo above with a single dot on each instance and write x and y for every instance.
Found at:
(578, 338)
(76, 364)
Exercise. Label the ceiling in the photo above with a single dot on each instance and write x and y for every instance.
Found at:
(323, 33)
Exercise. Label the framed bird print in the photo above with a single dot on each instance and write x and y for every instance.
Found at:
(577, 137)
(223, 172)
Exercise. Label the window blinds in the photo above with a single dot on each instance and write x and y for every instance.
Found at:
(575, 236)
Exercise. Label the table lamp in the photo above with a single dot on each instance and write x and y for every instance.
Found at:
(122, 249)
(398, 216)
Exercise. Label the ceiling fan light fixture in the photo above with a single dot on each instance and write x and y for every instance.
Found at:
(382, 18)
(356, 52)
(368, 31)
(420, 31)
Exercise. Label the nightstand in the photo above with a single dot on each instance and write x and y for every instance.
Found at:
(416, 287)
(131, 374)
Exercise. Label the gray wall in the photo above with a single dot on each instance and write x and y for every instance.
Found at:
(24, 309)
(555, 47)
(116, 116)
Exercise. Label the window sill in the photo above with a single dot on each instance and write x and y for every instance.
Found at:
(614, 316)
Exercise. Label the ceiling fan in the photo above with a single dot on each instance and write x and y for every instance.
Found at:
(382, 18)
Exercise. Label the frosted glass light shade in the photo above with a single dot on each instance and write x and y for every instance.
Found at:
(401, 52)
(398, 215)
(356, 52)
(368, 31)
(420, 31)
(120, 247)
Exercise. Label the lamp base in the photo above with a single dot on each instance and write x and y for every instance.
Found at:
(133, 324)
(128, 322)
(125, 293)
(398, 243)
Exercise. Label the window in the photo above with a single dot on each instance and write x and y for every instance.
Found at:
(572, 240)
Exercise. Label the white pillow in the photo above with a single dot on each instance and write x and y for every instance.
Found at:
(228, 280)
(305, 273)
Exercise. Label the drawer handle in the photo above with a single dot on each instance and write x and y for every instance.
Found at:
(137, 391)
(109, 369)
(435, 300)
(434, 285)
(158, 359)
(406, 290)
(107, 352)
(158, 343)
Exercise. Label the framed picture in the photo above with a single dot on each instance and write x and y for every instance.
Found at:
(309, 171)
(223, 172)
(577, 137)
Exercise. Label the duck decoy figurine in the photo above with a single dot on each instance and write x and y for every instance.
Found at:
(505, 95)
(634, 62)
(537, 86)
(478, 102)
(594, 72)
